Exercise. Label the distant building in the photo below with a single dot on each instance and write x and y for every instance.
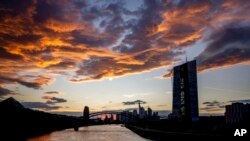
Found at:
(86, 113)
(185, 94)
(237, 113)
(145, 114)
(126, 116)
(112, 118)
(118, 117)
(155, 114)
(134, 113)
(142, 112)
(106, 119)
(150, 112)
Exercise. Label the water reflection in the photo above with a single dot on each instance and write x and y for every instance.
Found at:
(92, 133)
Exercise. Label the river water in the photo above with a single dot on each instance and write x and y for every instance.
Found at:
(92, 133)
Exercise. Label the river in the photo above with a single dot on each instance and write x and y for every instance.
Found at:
(92, 133)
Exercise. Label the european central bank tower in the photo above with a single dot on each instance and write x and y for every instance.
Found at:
(185, 93)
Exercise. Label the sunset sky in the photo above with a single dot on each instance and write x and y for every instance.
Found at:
(60, 55)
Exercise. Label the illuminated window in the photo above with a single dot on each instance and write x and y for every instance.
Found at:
(182, 97)
(182, 83)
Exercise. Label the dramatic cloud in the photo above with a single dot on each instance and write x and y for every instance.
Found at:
(213, 106)
(40, 106)
(29, 81)
(5, 92)
(86, 40)
(217, 106)
(54, 100)
(4, 54)
(227, 47)
(134, 102)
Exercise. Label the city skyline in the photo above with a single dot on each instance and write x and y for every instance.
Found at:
(61, 56)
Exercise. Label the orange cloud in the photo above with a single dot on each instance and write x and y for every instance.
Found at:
(53, 41)
(58, 26)
(51, 37)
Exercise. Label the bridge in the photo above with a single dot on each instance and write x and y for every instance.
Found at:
(124, 115)
(120, 115)
(103, 113)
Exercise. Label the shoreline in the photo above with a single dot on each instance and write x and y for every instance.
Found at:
(163, 135)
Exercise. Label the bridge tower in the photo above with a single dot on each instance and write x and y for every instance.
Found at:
(86, 113)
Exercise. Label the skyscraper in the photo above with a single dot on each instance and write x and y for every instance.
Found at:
(142, 113)
(185, 94)
(86, 113)
(150, 112)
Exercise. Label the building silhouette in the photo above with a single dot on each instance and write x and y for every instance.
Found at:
(135, 113)
(126, 116)
(118, 117)
(150, 112)
(86, 113)
(237, 113)
(185, 94)
(142, 113)
(112, 118)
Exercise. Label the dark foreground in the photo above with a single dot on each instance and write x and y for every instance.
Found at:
(206, 127)
(20, 123)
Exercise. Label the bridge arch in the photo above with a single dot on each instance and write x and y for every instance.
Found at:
(126, 116)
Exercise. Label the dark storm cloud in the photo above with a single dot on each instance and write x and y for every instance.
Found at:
(52, 92)
(5, 92)
(54, 100)
(112, 24)
(227, 47)
(138, 39)
(40, 105)
(14, 7)
(92, 41)
(212, 106)
(134, 102)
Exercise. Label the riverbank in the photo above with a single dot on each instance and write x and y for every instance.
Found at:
(154, 134)
(205, 127)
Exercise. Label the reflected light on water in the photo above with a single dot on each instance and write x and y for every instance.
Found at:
(92, 133)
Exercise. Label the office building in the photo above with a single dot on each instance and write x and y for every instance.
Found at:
(150, 112)
(185, 94)
(237, 113)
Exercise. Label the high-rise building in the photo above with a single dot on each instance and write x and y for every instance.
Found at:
(150, 112)
(185, 94)
(237, 113)
(118, 117)
(135, 113)
(141, 113)
(86, 113)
